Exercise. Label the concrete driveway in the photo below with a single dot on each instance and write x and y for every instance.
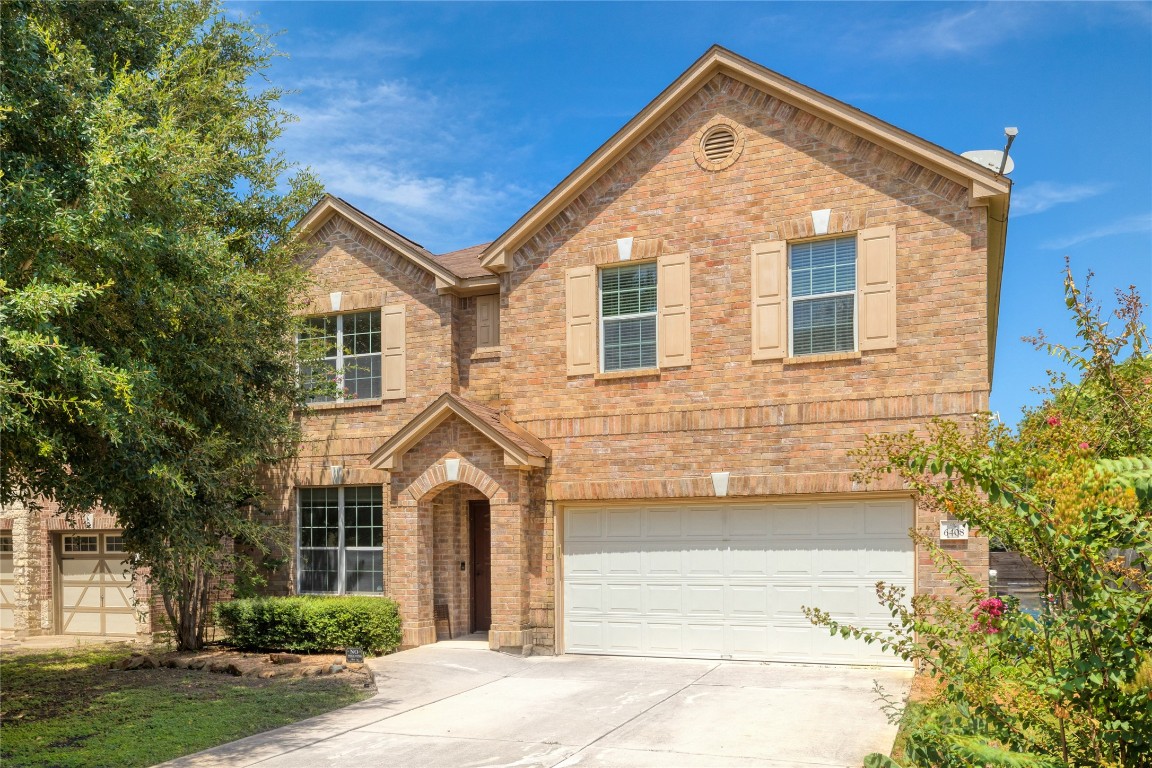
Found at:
(458, 704)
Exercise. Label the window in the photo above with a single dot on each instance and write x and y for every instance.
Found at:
(5, 543)
(113, 543)
(341, 540)
(350, 347)
(822, 296)
(628, 317)
(81, 544)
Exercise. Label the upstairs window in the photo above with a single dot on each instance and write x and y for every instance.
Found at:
(349, 346)
(628, 312)
(822, 296)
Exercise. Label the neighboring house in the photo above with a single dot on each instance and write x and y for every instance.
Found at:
(625, 426)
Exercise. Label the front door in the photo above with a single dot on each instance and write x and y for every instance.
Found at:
(480, 527)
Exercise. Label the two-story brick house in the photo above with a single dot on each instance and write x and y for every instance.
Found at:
(624, 426)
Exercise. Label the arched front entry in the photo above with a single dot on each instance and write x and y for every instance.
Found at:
(442, 465)
(457, 540)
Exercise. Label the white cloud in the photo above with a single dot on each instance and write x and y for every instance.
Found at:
(1042, 195)
(954, 32)
(1139, 224)
(426, 164)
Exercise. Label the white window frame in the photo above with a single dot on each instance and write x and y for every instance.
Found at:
(341, 572)
(340, 356)
(655, 313)
(792, 299)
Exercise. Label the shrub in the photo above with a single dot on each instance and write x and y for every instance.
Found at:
(311, 623)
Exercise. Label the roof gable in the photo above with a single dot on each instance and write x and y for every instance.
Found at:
(982, 183)
(521, 448)
(455, 272)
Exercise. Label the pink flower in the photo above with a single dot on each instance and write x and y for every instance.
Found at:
(1053, 421)
(1083, 446)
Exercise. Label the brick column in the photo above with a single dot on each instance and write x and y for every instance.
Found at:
(510, 594)
(409, 536)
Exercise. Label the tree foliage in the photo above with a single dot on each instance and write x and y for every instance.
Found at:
(149, 278)
(1071, 684)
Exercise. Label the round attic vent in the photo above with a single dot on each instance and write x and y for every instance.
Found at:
(718, 144)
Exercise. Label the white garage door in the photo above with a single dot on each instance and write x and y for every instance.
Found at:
(725, 581)
(96, 596)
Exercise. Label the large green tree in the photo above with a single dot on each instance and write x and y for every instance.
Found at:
(149, 278)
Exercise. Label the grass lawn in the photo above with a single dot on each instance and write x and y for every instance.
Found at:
(66, 709)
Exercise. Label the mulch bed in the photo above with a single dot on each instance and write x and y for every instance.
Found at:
(240, 664)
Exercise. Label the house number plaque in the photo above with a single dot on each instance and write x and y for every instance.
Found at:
(953, 530)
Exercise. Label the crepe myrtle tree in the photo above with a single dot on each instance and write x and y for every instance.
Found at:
(1070, 488)
(150, 279)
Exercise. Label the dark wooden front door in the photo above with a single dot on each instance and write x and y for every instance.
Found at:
(480, 527)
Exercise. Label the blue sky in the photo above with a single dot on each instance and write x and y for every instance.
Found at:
(447, 121)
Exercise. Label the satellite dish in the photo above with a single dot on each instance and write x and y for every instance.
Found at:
(991, 159)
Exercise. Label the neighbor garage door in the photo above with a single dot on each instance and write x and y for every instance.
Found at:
(7, 583)
(725, 581)
(95, 586)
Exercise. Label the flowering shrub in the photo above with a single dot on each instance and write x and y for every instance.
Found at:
(986, 616)
(1071, 489)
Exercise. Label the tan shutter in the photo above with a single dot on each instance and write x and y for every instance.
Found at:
(674, 297)
(487, 321)
(876, 283)
(769, 300)
(394, 358)
(580, 311)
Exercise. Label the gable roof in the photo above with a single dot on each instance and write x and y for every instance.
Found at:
(453, 271)
(981, 182)
(521, 448)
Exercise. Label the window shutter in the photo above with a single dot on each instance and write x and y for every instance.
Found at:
(580, 310)
(487, 321)
(674, 298)
(394, 357)
(769, 300)
(876, 280)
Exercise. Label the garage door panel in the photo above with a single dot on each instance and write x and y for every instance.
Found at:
(704, 600)
(583, 559)
(789, 561)
(78, 568)
(585, 636)
(82, 623)
(624, 523)
(704, 639)
(663, 522)
(117, 598)
(748, 600)
(704, 561)
(745, 559)
(663, 561)
(664, 599)
(624, 561)
(793, 520)
(838, 519)
(665, 638)
(119, 624)
(623, 598)
(81, 596)
(748, 522)
(583, 524)
(731, 580)
(584, 598)
(705, 524)
(891, 519)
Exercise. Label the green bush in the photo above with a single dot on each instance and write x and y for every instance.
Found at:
(311, 624)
